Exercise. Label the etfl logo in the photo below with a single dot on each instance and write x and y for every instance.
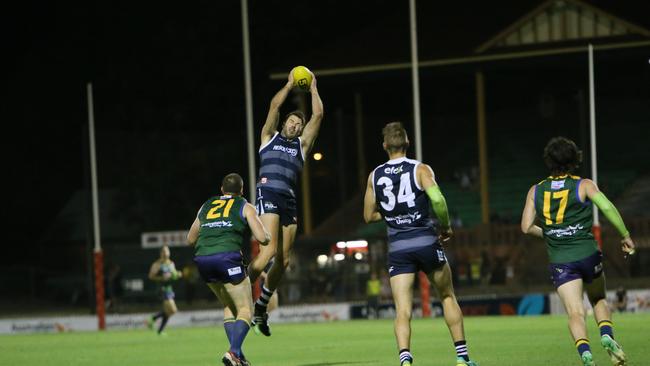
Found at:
(393, 170)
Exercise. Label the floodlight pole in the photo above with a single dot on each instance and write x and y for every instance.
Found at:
(250, 139)
(249, 101)
(417, 133)
(98, 254)
(592, 141)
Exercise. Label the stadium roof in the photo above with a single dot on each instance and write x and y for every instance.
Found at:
(486, 31)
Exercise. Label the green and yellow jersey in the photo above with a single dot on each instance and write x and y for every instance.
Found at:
(166, 285)
(222, 225)
(565, 219)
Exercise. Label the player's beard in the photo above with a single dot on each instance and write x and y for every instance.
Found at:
(292, 133)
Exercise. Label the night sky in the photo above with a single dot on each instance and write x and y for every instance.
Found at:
(169, 97)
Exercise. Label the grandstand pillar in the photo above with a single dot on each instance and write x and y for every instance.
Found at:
(306, 183)
(358, 124)
(482, 145)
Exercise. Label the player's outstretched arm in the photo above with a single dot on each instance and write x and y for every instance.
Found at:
(428, 183)
(528, 216)
(370, 212)
(591, 191)
(311, 129)
(257, 227)
(273, 116)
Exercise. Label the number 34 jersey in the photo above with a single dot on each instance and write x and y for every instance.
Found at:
(565, 219)
(404, 205)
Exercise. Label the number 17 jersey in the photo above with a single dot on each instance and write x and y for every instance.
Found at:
(404, 205)
(565, 219)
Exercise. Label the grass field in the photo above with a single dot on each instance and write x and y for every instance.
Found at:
(499, 341)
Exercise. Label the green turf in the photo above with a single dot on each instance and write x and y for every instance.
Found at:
(499, 341)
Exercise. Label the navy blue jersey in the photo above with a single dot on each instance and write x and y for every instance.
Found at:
(281, 161)
(403, 204)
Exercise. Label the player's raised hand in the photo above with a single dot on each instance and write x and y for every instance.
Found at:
(312, 87)
(290, 77)
(445, 234)
(628, 246)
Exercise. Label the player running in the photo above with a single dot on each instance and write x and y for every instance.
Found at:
(563, 204)
(164, 272)
(217, 235)
(399, 191)
(282, 156)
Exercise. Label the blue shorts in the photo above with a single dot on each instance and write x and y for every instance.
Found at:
(587, 269)
(425, 259)
(167, 294)
(279, 203)
(227, 267)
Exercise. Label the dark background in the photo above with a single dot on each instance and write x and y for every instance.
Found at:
(170, 117)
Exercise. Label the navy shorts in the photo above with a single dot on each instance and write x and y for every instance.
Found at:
(167, 294)
(425, 259)
(276, 202)
(227, 267)
(587, 269)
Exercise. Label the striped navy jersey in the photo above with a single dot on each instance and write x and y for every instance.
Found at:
(281, 161)
(403, 204)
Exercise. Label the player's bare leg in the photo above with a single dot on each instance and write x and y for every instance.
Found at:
(282, 258)
(255, 268)
(571, 295)
(274, 277)
(169, 309)
(598, 298)
(402, 288)
(442, 281)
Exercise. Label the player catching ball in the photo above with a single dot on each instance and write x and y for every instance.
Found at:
(282, 155)
(217, 236)
(563, 204)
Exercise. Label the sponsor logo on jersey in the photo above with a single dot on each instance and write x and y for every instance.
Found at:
(571, 230)
(441, 255)
(408, 218)
(289, 150)
(598, 268)
(557, 184)
(234, 271)
(393, 170)
(217, 224)
(269, 205)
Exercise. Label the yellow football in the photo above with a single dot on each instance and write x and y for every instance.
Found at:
(301, 77)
